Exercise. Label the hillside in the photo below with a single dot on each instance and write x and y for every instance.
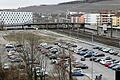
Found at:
(89, 6)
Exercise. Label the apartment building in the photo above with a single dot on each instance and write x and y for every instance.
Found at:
(116, 20)
(92, 18)
(77, 18)
(106, 16)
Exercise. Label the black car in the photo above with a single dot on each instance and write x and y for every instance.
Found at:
(53, 57)
(97, 47)
(82, 59)
(93, 58)
(117, 67)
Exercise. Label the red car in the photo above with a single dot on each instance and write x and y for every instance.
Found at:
(107, 64)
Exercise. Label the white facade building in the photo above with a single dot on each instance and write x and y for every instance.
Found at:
(7, 17)
(92, 18)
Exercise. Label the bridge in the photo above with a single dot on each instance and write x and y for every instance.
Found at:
(49, 25)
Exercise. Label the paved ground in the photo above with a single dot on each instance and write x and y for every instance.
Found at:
(108, 74)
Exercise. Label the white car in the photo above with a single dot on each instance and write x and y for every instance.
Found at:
(112, 51)
(106, 49)
(54, 61)
(41, 72)
(77, 69)
(6, 66)
(11, 52)
(9, 47)
(104, 61)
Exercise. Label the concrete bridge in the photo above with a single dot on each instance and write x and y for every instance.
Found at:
(48, 25)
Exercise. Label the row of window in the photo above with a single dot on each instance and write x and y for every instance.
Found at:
(17, 19)
(15, 22)
(16, 13)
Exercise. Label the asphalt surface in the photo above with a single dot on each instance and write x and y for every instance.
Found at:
(94, 68)
(97, 68)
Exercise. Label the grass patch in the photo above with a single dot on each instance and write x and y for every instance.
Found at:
(27, 36)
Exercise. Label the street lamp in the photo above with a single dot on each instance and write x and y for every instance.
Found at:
(97, 25)
(92, 57)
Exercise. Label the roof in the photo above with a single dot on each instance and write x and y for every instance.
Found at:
(117, 14)
(77, 15)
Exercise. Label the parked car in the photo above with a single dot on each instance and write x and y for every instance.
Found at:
(82, 59)
(77, 72)
(53, 56)
(99, 55)
(93, 58)
(106, 49)
(77, 50)
(80, 65)
(41, 72)
(116, 52)
(108, 58)
(48, 46)
(19, 45)
(53, 61)
(117, 67)
(97, 47)
(89, 54)
(97, 60)
(73, 45)
(103, 62)
(82, 52)
(9, 47)
(112, 51)
(54, 50)
(112, 65)
(16, 60)
(117, 61)
(108, 63)
(6, 66)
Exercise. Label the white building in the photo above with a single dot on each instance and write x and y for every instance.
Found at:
(92, 18)
(7, 17)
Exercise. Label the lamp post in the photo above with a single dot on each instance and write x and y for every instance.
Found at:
(92, 57)
(97, 25)
(111, 29)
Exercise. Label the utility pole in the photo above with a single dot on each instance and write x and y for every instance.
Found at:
(110, 23)
(97, 25)
(70, 69)
(111, 28)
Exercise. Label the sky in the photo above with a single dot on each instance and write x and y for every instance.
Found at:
(9, 4)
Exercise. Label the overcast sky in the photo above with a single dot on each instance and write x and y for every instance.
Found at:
(8, 4)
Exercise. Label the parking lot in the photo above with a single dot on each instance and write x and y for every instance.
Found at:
(52, 54)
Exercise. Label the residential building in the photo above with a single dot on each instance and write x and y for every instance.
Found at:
(9, 17)
(116, 20)
(92, 18)
(106, 16)
(77, 18)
